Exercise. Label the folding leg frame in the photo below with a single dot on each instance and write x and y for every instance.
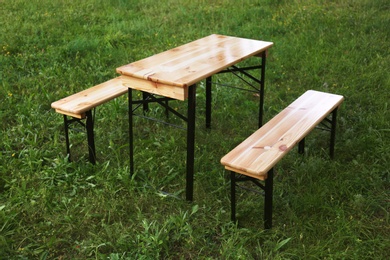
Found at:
(244, 75)
(327, 125)
(268, 193)
(89, 130)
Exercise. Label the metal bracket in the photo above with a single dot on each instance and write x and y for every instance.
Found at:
(88, 125)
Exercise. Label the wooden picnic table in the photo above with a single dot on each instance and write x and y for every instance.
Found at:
(174, 74)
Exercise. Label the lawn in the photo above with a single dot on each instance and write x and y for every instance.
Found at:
(323, 209)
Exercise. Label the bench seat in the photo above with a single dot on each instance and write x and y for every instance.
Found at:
(79, 106)
(259, 153)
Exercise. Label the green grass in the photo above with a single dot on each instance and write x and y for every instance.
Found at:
(323, 209)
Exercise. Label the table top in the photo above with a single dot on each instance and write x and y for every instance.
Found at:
(186, 65)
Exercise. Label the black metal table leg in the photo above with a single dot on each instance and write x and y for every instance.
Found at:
(190, 142)
(262, 83)
(145, 96)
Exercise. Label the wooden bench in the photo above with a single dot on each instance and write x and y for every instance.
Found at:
(79, 107)
(254, 159)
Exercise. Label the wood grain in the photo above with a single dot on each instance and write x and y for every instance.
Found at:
(256, 155)
(188, 64)
(77, 104)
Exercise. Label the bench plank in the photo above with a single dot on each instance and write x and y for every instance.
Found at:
(260, 152)
(77, 104)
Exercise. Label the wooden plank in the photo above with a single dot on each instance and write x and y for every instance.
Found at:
(79, 103)
(175, 92)
(187, 64)
(79, 116)
(263, 149)
(261, 177)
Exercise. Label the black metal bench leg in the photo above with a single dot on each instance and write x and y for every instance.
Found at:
(90, 137)
(66, 126)
(268, 189)
(208, 102)
(233, 195)
(190, 142)
(131, 141)
(333, 133)
(301, 146)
